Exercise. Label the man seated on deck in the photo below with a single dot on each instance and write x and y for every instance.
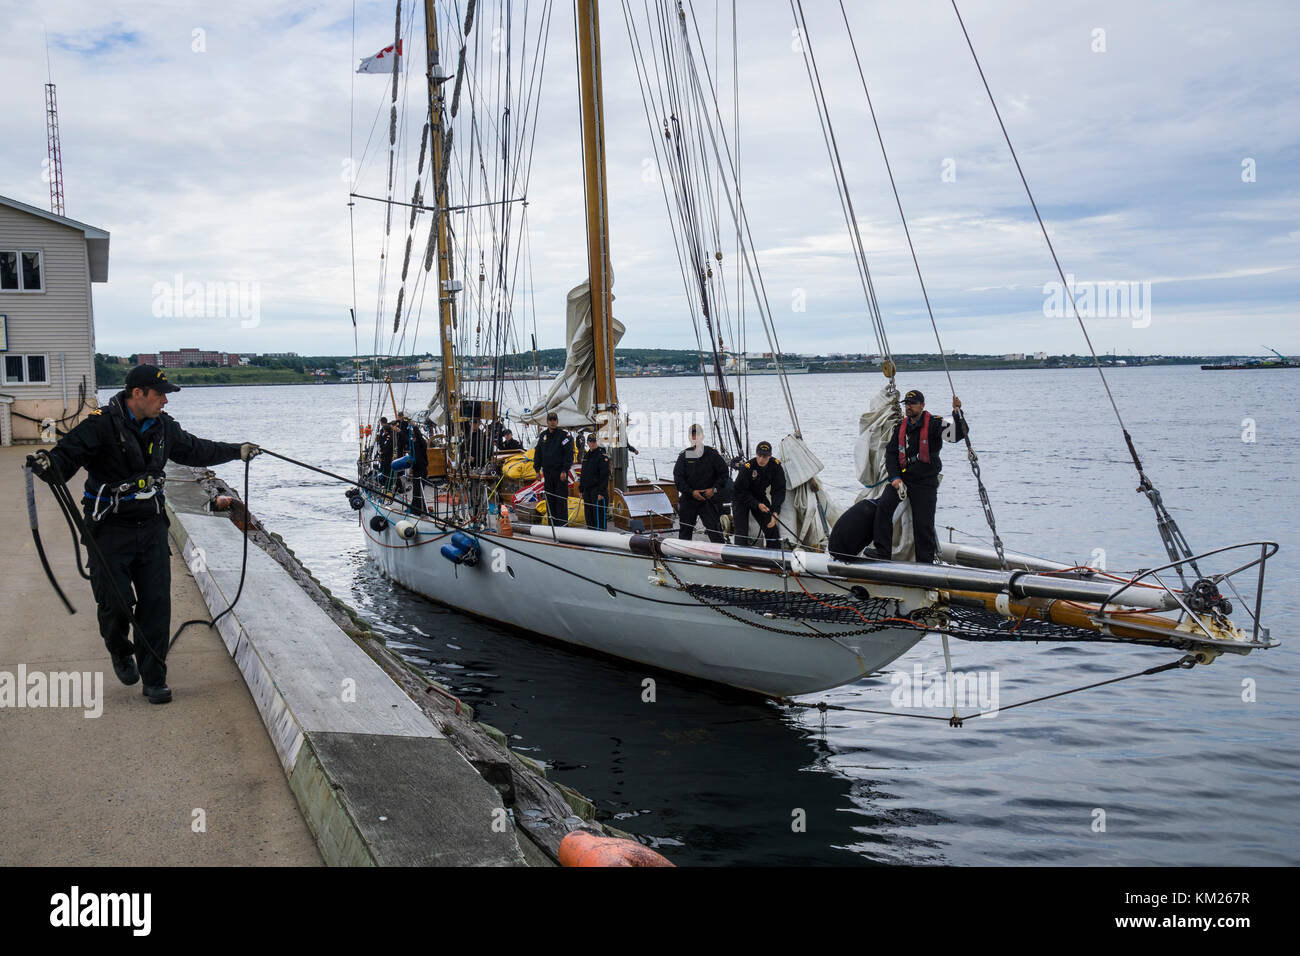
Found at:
(509, 442)
(700, 475)
(914, 471)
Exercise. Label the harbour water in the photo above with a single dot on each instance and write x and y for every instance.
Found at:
(1186, 767)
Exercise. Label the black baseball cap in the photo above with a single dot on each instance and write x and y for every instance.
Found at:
(913, 396)
(149, 376)
(764, 448)
(592, 439)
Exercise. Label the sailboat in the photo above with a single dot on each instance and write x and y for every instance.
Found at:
(778, 623)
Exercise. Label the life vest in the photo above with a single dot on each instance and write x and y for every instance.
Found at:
(924, 453)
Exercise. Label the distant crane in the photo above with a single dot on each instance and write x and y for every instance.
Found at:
(55, 151)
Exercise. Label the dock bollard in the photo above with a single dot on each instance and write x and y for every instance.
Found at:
(580, 848)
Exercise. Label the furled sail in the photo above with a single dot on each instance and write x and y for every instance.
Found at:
(572, 393)
(808, 510)
(878, 437)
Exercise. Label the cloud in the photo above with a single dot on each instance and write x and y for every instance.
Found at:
(227, 160)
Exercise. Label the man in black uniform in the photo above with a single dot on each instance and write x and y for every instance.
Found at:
(594, 483)
(700, 474)
(124, 448)
(760, 491)
(509, 442)
(384, 442)
(553, 457)
(855, 530)
(914, 465)
(419, 464)
(477, 445)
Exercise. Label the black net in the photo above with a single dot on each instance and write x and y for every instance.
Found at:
(798, 606)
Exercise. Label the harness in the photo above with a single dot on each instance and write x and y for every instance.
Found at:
(147, 478)
(923, 454)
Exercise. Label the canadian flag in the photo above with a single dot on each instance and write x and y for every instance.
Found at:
(381, 62)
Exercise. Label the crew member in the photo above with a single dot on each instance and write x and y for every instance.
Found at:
(700, 475)
(914, 465)
(760, 491)
(594, 483)
(124, 448)
(553, 457)
(509, 442)
(419, 464)
(384, 442)
(477, 443)
(854, 532)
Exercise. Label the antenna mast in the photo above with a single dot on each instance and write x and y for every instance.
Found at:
(56, 153)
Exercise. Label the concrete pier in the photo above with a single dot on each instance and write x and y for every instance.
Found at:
(290, 741)
(194, 782)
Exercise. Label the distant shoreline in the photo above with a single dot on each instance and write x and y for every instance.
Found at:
(927, 367)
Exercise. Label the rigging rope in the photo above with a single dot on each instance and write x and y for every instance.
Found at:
(1170, 534)
(985, 503)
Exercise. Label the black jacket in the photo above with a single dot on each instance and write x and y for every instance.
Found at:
(595, 473)
(696, 474)
(419, 451)
(384, 442)
(755, 484)
(115, 449)
(919, 472)
(554, 452)
(510, 444)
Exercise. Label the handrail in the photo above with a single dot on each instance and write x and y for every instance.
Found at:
(1262, 560)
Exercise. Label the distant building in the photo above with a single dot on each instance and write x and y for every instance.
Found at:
(185, 358)
(1040, 356)
(47, 323)
(1014, 357)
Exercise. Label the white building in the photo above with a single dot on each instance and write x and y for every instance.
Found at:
(47, 323)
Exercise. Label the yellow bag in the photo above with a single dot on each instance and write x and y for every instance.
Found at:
(577, 511)
(520, 467)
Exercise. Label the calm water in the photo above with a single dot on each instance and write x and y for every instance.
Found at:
(1185, 770)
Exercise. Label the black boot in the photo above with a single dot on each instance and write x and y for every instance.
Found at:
(162, 694)
(124, 667)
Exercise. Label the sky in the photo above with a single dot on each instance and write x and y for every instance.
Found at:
(213, 142)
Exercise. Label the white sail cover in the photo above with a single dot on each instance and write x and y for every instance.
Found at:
(572, 394)
(878, 437)
(807, 509)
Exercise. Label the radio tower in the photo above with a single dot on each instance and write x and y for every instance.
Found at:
(56, 153)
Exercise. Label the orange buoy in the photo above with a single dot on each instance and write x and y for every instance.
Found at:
(503, 523)
(581, 848)
(365, 431)
(221, 503)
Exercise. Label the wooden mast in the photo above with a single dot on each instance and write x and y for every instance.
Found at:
(446, 298)
(598, 268)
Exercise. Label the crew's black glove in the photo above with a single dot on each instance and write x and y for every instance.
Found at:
(41, 466)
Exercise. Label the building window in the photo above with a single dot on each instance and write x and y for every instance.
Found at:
(21, 270)
(26, 370)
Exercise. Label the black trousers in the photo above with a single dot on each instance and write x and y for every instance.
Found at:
(556, 489)
(138, 559)
(741, 516)
(854, 531)
(417, 495)
(595, 510)
(923, 499)
(688, 510)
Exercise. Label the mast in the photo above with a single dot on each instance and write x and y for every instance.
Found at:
(446, 300)
(598, 269)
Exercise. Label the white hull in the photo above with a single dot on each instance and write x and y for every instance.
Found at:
(680, 635)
